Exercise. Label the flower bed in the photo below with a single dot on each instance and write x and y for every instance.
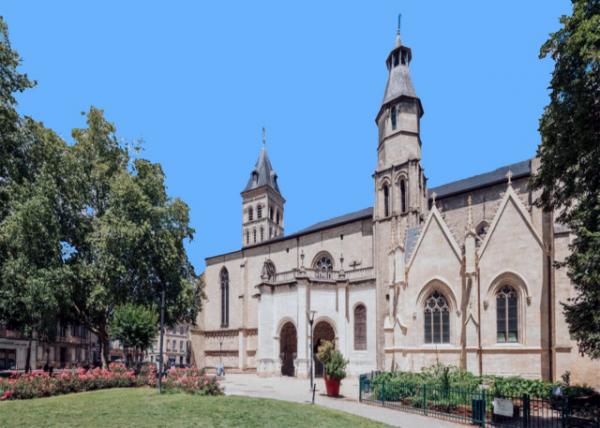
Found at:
(192, 381)
(41, 384)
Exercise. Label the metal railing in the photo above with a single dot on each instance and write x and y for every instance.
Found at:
(473, 406)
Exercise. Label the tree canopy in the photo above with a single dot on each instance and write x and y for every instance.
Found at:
(569, 176)
(85, 228)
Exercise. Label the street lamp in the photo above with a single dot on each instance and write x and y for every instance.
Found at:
(311, 320)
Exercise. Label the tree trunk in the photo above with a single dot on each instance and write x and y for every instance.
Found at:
(28, 359)
(104, 351)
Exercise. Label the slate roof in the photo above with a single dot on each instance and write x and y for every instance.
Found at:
(262, 174)
(336, 221)
(519, 170)
(399, 84)
(412, 236)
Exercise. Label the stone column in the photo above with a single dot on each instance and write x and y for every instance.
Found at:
(266, 362)
(302, 362)
(342, 321)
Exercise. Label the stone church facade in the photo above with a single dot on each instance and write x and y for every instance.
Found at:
(461, 274)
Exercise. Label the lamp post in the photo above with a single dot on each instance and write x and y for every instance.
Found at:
(311, 320)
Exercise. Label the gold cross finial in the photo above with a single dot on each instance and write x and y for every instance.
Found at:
(509, 175)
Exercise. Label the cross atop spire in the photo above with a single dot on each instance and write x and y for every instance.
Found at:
(264, 136)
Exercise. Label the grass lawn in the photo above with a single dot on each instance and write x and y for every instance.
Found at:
(143, 407)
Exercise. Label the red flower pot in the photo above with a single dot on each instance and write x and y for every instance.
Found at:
(332, 386)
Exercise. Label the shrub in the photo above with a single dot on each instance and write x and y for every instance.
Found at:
(192, 381)
(333, 361)
(41, 384)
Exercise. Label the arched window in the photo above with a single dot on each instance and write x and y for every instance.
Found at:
(224, 297)
(250, 214)
(360, 328)
(403, 203)
(437, 319)
(277, 217)
(393, 117)
(386, 200)
(271, 213)
(323, 265)
(507, 320)
(262, 234)
(259, 211)
(247, 237)
(268, 271)
(254, 235)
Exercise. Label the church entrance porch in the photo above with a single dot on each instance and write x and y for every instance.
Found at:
(288, 348)
(323, 331)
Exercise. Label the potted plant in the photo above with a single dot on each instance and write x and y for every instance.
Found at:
(334, 365)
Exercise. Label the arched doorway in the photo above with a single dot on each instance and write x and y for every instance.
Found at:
(288, 342)
(323, 331)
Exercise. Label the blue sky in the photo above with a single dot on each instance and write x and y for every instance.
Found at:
(198, 80)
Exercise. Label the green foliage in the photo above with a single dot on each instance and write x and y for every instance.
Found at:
(441, 379)
(131, 239)
(333, 360)
(84, 228)
(570, 161)
(135, 326)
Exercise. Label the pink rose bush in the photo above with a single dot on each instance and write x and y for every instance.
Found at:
(40, 384)
(192, 381)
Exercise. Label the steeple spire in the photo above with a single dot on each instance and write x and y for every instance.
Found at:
(398, 41)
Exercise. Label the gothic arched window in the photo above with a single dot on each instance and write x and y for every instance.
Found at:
(386, 200)
(277, 217)
(271, 213)
(262, 234)
(403, 201)
(224, 277)
(259, 211)
(250, 214)
(437, 319)
(507, 320)
(360, 328)
(254, 235)
(323, 265)
(247, 237)
(393, 117)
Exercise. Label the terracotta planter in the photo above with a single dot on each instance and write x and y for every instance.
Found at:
(332, 386)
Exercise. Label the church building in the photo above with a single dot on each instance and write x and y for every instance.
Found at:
(462, 274)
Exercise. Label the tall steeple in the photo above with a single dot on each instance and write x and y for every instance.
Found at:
(400, 180)
(262, 202)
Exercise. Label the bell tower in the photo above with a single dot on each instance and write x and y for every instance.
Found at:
(262, 202)
(400, 189)
(399, 178)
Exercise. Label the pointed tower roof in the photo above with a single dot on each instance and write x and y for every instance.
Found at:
(262, 174)
(399, 84)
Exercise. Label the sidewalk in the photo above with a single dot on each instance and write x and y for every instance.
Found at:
(298, 390)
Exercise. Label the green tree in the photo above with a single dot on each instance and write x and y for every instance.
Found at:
(569, 176)
(135, 327)
(32, 239)
(131, 235)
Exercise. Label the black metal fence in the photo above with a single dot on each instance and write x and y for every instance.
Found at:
(474, 406)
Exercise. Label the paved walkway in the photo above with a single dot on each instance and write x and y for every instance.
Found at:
(298, 390)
